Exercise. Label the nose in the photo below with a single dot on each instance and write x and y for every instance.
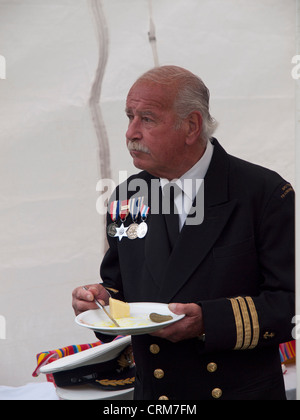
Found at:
(134, 130)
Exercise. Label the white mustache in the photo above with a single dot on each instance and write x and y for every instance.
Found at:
(132, 145)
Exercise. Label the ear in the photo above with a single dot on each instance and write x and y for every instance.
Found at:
(194, 127)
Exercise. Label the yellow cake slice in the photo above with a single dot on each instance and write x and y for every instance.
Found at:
(118, 309)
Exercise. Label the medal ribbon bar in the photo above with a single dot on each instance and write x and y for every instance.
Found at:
(114, 210)
(124, 210)
(135, 205)
(144, 211)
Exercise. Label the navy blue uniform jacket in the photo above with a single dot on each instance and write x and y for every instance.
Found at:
(238, 265)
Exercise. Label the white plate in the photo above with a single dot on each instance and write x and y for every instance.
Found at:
(138, 323)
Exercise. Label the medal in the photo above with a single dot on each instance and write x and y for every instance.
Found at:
(121, 232)
(112, 229)
(134, 209)
(121, 209)
(143, 227)
(132, 231)
(114, 213)
(142, 230)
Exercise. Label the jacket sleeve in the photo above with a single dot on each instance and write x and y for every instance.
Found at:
(246, 322)
(110, 275)
(110, 272)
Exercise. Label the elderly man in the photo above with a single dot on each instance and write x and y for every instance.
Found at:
(232, 274)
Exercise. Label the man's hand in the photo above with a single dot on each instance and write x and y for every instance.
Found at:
(83, 300)
(190, 326)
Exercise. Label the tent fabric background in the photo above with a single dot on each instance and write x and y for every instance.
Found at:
(62, 125)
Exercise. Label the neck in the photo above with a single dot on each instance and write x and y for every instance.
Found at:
(187, 163)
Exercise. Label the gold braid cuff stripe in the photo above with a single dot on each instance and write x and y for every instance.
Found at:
(255, 323)
(246, 322)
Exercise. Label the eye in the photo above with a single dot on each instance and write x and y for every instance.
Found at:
(130, 117)
(147, 119)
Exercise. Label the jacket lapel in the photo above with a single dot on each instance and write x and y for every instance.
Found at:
(192, 246)
(157, 247)
(195, 241)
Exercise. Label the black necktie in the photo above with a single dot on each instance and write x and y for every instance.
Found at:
(170, 211)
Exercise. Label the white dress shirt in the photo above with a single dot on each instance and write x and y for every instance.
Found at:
(190, 183)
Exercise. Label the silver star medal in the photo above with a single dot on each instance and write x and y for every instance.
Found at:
(121, 232)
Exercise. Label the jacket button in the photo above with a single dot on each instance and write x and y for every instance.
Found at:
(159, 373)
(154, 349)
(212, 367)
(163, 397)
(216, 393)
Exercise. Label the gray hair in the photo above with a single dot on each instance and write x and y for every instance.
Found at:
(192, 94)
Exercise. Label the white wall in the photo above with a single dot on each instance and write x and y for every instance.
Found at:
(52, 156)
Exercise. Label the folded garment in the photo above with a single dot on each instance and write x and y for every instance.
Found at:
(287, 351)
(46, 357)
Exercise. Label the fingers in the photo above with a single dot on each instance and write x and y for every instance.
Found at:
(190, 326)
(83, 300)
(92, 291)
(189, 309)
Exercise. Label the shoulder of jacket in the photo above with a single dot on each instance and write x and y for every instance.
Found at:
(260, 181)
(265, 177)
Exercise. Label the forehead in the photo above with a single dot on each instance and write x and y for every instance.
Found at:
(152, 96)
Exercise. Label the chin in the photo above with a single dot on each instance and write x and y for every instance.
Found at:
(144, 164)
(139, 163)
(148, 169)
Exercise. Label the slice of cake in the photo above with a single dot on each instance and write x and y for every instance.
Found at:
(118, 309)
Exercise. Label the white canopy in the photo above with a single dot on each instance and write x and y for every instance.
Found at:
(69, 65)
